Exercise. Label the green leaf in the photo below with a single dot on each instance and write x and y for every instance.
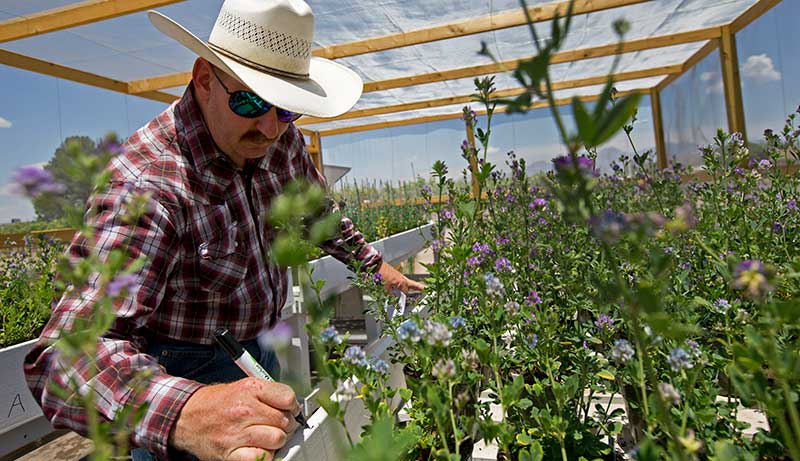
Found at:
(584, 122)
(606, 374)
(613, 121)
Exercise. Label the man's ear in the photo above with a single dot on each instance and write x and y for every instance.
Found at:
(201, 77)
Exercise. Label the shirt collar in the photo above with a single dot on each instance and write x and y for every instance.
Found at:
(196, 141)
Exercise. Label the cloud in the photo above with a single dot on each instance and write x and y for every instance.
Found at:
(759, 68)
(713, 81)
(4, 123)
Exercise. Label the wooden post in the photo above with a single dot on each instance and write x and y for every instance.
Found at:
(658, 128)
(315, 150)
(473, 157)
(730, 78)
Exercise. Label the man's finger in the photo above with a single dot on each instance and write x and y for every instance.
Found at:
(274, 394)
(250, 454)
(415, 286)
(263, 437)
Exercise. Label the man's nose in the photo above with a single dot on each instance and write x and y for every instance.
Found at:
(269, 125)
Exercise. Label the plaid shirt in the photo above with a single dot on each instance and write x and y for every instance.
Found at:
(203, 270)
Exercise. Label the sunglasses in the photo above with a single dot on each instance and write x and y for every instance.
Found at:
(249, 105)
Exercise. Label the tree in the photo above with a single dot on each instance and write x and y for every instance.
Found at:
(75, 172)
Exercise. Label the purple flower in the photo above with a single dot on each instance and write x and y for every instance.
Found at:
(694, 348)
(722, 305)
(604, 322)
(447, 214)
(473, 261)
(777, 227)
(502, 265)
(791, 205)
(539, 202)
(753, 277)
(669, 394)
(123, 284)
(622, 351)
(279, 337)
(377, 278)
(764, 164)
(444, 369)
(609, 226)
(501, 240)
(564, 166)
(679, 359)
(426, 191)
(533, 299)
(437, 245)
(33, 181)
(532, 341)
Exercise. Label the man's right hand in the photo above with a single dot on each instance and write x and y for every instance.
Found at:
(239, 421)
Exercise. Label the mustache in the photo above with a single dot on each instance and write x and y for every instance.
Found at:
(255, 136)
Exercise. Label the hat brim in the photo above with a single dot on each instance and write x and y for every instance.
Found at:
(330, 90)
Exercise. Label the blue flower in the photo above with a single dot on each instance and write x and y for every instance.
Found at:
(494, 287)
(532, 341)
(437, 334)
(457, 321)
(380, 366)
(356, 356)
(679, 359)
(408, 330)
(622, 351)
(330, 335)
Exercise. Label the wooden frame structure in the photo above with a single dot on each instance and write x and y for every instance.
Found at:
(720, 37)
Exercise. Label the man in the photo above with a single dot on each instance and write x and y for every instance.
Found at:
(211, 163)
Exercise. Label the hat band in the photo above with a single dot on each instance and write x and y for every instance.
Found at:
(255, 65)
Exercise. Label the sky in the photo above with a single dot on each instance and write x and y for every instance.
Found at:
(37, 112)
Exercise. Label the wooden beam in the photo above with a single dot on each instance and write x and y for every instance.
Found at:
(505, 93)
(658, 41)
(658, 128)
(698, 56)
(730, 78)
(751, 14)
(67, 73)
(648, 43)
(316, 155)
(160, 82)
(435, 118)
(502, 20)
(73, 15)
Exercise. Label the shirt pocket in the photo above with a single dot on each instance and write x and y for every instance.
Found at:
(221, 264)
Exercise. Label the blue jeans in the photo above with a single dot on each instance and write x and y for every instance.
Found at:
(205, 364)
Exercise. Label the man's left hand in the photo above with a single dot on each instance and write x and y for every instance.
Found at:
(393, 279)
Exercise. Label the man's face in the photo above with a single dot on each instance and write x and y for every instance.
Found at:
(238, 137)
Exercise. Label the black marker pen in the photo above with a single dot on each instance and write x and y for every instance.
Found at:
(246, 362)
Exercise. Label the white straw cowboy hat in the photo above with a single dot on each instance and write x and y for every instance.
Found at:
(266, 45)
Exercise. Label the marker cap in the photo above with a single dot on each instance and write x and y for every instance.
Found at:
(228, 342)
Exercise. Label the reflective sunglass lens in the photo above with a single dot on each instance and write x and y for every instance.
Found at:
(247, 104)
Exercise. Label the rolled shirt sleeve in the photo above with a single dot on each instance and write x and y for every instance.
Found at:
(349, 245)
(119, 357)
